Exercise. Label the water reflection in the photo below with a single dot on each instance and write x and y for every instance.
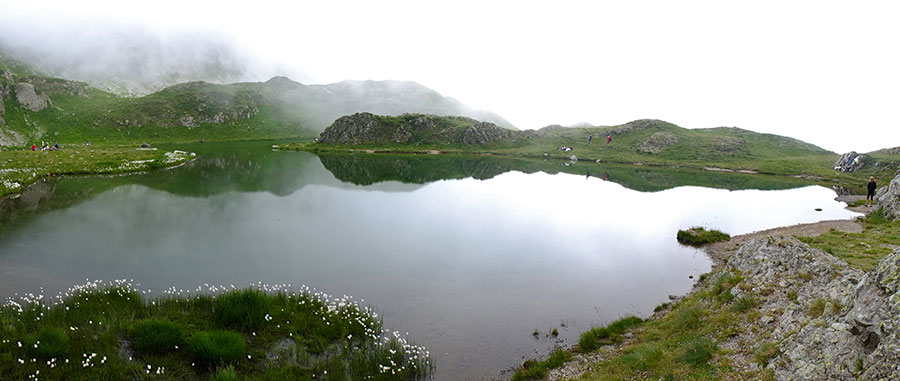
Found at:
(469, 267)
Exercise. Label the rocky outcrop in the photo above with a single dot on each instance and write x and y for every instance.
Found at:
(657, 142)
(849, 162)
(726, 144)
(362, 128)
(889, 198)
(366, 128)
(483, 132)
(29, 99)
(893, 151)
(832, 322)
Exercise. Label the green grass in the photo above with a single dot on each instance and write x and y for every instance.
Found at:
(48, 343)
(697, 236)
(97, 331)
(591, 339)
(156, 336)
(23, 166)
(217, 347)
(861, 250)
(242, 309)
(535, 370)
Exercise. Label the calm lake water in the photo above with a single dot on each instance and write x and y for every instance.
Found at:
(470, 261)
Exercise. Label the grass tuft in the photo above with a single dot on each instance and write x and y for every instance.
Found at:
(698, 351)
(241, 309)
(48, 343)
(217, 347)
(697, 236)
(535, 370)
(225, 374)
(590, 339)
(156, 336)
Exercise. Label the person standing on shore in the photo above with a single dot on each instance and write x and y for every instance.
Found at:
(608, 139)
(590, 137)
(870, 188)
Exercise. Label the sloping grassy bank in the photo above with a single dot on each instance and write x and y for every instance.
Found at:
(114, 331)
(19, 168)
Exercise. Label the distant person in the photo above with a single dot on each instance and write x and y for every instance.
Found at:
(34, 147)
(870, 187)
(608, 139)
(56, 146)
(590, 137)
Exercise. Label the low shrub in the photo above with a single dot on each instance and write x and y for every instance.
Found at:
(217, 347)
(156, 336)
(48, 343)
(242, 309)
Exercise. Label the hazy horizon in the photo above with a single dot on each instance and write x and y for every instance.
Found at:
(820, 72)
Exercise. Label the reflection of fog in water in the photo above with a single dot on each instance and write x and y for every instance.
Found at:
(470, 268)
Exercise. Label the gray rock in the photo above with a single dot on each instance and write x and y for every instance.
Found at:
(857, 334)
(29, 99)
(849, 162)
(889, 198)
(657, 142)
(483, 132)
(573, 158)
(145, 145)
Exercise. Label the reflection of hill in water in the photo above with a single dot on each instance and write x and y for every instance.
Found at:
(255, 167)
(367, 169)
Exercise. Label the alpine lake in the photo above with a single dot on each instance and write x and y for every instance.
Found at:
(468, 254)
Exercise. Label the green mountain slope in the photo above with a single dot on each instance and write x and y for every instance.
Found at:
(36, 108)
(640, 142)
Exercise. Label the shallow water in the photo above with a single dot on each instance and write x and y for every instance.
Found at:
(470, 268)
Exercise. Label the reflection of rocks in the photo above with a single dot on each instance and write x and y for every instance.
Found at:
(657, 142)
(889, 198)
(849, 162)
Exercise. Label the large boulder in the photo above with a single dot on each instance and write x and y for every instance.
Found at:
(29, 99)
(849, 162)
(889, 198)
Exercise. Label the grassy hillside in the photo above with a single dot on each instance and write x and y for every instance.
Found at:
(74, 112)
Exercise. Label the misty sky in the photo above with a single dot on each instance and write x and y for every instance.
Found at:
(822, 71)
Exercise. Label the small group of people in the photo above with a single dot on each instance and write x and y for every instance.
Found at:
(45, 147)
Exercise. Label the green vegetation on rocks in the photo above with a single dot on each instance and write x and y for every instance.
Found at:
(697, 236)
(861, 250)
(114, 331)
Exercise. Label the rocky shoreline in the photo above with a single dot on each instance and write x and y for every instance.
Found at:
(821, 319)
